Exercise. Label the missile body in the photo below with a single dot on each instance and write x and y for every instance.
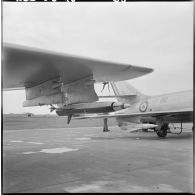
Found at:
(88, 108)
(135, 127)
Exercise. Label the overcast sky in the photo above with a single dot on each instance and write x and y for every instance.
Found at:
(158, 35)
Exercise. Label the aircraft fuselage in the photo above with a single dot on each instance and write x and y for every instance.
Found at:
(167, 102)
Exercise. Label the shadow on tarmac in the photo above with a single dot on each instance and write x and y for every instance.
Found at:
(148, 136)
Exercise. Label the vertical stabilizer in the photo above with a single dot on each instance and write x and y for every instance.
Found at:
(124, 92)
(124, 88)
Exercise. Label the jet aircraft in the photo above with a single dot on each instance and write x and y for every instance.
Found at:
(65, 82)
(151, 112)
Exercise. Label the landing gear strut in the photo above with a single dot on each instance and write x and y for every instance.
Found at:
(162, 130)
(105, 129)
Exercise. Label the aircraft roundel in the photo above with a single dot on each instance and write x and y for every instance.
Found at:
(143, 106)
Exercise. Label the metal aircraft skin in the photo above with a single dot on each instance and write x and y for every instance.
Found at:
(28, 67)
(65, 82)
(51, 78)
(155, 112)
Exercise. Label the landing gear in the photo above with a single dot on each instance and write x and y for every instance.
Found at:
(69, 118)
(161, 131)
(105, 129)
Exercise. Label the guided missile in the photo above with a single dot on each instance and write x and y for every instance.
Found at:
(94, 107)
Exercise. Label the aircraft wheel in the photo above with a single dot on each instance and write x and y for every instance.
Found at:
(162, 132)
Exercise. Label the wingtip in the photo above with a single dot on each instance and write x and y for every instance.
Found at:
(150, 70)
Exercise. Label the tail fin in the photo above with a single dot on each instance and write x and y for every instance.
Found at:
(123, 88)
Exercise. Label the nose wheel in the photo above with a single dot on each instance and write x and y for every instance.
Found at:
(162, 130)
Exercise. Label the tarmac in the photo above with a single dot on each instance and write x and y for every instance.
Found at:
(84, 159)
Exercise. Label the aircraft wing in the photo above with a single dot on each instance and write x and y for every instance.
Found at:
(141, 114)
(28, 67)
(117, 96)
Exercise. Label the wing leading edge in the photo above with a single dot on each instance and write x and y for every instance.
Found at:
(27, 67)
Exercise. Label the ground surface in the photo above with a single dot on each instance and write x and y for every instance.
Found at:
(84, 159)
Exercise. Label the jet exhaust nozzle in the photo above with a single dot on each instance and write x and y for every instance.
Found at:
(119, 106)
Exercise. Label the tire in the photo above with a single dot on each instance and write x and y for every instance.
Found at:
(162, 132)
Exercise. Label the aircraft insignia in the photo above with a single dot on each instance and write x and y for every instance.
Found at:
(143, 106)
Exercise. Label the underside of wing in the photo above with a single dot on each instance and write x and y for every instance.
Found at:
(28, 67)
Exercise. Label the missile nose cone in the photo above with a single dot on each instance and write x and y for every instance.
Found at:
(126, 106)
